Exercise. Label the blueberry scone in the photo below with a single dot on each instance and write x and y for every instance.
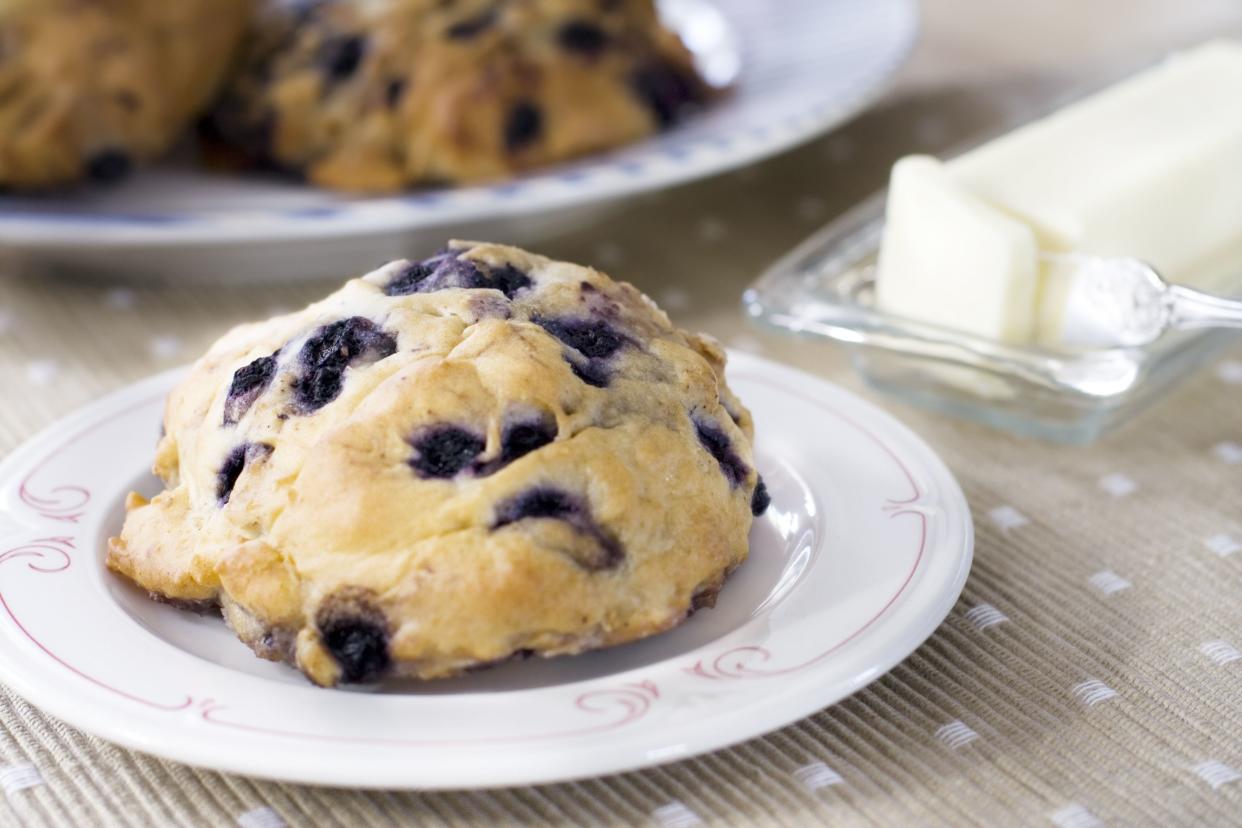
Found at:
(385, 94)
(88, 88)
(445, 464)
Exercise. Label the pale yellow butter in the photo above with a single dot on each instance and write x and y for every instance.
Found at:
(985, 286)
(1151, 168)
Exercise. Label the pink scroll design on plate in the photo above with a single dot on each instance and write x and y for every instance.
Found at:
(746, 662)
(41, 550)
(624, 704)
(51, 555)
(65, 503)
(733, 663)
(635, 699)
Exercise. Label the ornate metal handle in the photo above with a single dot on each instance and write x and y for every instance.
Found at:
(1190, 309)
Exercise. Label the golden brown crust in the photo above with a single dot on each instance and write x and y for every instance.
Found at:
(552, 470)
(382, 95)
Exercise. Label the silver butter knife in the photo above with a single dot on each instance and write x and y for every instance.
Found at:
(1122, 302)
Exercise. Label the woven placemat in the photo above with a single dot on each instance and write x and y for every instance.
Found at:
(1091, 672)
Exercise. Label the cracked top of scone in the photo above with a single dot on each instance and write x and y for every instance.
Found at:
(447, 463)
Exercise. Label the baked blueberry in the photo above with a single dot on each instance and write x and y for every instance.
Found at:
(668, 90)
(592, 342)
(331, 350)
(411, 278)
(109, 166)
(593, 372)
(355, 633)
(230, 470)
(393, 91)
(508, 280)
(455, 272)
(524, 436)
(542, 502)
(720, 447)
(760, 500)
(444, 451)
(546, 502)
(523, 126)
(582, 37)
(520, 437)
(448, 270)
(340, 56)
(234, 463)
(471, 27)
(249, 382)
(591, 338)
(359, 647)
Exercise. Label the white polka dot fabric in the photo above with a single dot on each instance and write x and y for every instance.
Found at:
(1090, 674)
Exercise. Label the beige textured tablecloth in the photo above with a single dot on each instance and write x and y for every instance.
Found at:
(1091, 672)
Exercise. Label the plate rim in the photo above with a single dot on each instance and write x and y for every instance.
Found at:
(558, 187)
(762, 718)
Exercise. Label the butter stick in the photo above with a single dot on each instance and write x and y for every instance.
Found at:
(1151, 168)
(985, 286)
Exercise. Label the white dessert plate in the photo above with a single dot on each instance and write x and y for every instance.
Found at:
(863, 552)
(798, 68)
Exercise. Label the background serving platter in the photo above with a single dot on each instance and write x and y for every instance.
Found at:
(863, 552)
(797, 69)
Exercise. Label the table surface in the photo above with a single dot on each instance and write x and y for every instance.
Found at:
(1111, 564)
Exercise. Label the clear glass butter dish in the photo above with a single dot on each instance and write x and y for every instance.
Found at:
(824, 288)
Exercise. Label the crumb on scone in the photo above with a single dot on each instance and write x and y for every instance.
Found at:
(445, 464)
(382, 95)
